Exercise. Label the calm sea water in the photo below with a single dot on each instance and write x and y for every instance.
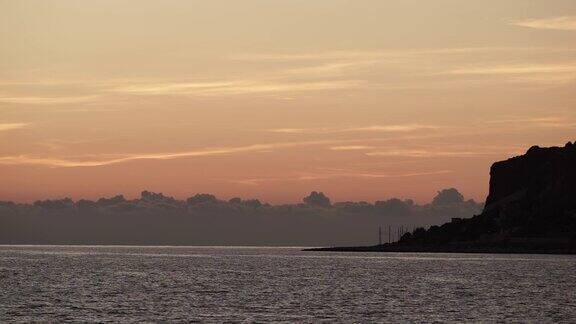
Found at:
(216, 284)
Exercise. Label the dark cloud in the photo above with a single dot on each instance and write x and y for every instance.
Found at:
(201, 198)
(203, 219)
(317, 199)
(394, 206)
(448, 196)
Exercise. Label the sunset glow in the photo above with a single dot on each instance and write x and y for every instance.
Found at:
(362, 100)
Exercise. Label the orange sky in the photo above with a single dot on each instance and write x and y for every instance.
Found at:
(363, 100)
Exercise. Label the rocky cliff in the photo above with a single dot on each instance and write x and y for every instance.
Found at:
(532, 198)
(531, 208)
(534, 195)
(543, 175)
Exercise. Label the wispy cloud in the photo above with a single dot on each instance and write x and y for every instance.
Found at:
(106, 159)
(94, 160)
(390, 128)
(57, 162)
(371, 175)
(350, 148)
(429, 153)
(393, 128)
(375, 54)
(12, 126)
(33, 100)
(556, 79)
(300, 72)
(331, 68)
(544, 122)
(550, 74)
(326, 55)
(288, 130)
(362, 63)
(237, 87)
(172, 87)
(518, 69)
(556, 23)
(255, 181)
(336, 175)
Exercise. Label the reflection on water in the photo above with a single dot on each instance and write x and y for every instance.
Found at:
(87, 284)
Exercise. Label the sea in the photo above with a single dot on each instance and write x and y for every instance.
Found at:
(120, 284)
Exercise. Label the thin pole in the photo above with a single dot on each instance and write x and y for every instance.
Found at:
(389, 234)
(379, 235)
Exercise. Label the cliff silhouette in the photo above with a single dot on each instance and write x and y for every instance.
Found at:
(530, 208)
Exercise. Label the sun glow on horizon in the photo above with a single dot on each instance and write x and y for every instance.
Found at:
(362, 100)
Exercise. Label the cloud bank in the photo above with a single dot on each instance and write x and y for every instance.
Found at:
(204, 219)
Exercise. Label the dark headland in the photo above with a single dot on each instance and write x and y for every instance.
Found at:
(530, 208)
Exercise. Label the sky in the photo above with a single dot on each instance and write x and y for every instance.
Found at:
(271, 99)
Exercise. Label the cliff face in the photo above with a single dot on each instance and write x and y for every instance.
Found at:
(544, 176)
(534, 195)
(532, 198)
(531, 208)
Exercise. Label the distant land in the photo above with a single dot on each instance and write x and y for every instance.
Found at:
(204, 219)
(531, 208)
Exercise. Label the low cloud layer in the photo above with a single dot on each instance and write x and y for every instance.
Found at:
(204, 219)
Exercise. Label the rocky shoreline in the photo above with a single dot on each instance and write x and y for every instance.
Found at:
(495, 248)
(530, 208)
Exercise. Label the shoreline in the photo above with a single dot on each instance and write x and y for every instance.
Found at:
(492, 248)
